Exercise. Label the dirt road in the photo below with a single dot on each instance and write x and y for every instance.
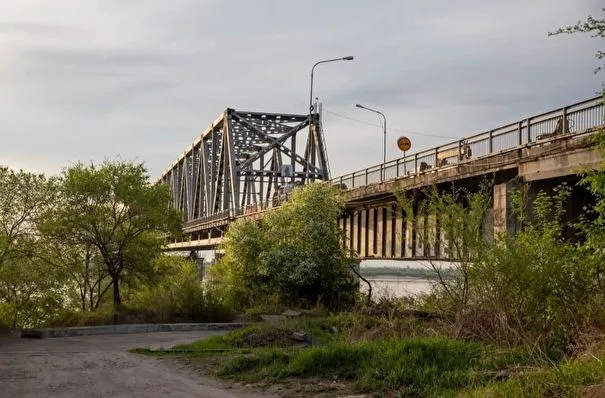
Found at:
(100, 366)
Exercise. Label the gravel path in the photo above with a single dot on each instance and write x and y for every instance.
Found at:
(100, 366)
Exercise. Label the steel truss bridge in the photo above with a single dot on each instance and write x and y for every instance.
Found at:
(244, 162)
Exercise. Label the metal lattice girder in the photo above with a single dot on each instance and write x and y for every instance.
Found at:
(245, 158)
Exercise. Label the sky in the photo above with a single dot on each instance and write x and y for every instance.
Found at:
(89, 80)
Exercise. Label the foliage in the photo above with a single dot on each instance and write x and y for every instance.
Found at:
(535, 286)
(294, 257)
(239, 278)
(179, 295)
(175, 295)
(30, 290)
(114, 209)
(305, 258)
(459, 237)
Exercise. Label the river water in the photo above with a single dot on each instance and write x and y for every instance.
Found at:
(393, 285)
(396, 286)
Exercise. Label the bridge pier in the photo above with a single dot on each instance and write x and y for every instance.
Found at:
(503, 220)
(399, 233)
(363, 244)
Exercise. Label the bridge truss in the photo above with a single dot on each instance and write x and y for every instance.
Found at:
(244, 162)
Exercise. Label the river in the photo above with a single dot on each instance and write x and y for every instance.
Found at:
(395, 285)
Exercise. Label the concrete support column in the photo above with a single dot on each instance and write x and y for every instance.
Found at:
(355, 231)
(420, 235)
(363, 248)
(388, 250)
(380, 233)
(371, 233)
(399, 237)
(343, 229)
(501, 213)
(409, 238)
(432, 235)
(442, 244)
(349, 232)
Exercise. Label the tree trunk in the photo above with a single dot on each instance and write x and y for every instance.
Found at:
(117, 300)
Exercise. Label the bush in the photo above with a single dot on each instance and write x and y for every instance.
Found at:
(294, 257)
(178, 296)
(534, 287)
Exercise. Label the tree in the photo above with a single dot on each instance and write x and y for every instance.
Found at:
(29, 289)
(295, 256)
(23, 198)
(305, 259)
(240, 278)
(113, 208)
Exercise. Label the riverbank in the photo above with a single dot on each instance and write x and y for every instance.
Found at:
(386, 355)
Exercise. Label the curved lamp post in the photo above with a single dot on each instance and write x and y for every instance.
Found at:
(384, 130)
(347, 58)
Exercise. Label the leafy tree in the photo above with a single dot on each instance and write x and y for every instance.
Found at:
(240, 278)
(23, 199)
(30, 290)
(80, 263)
(294, 257)
(305, 259)
(113, 208)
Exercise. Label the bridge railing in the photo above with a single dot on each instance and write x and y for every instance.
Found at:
(568, 121)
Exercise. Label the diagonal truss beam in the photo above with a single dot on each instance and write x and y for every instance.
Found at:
(244, 158)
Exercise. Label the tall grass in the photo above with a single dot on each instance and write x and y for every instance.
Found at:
(424, 367)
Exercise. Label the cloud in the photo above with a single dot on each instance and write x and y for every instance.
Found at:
(140, 79)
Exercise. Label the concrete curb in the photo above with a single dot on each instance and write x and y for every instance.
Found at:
(127, 329)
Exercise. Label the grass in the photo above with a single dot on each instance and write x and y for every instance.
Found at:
(416, 367)
(267, 334)
(385, 362)
(565, 379)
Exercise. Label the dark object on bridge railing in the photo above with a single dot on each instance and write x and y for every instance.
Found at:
(464, 152)
(562, 127)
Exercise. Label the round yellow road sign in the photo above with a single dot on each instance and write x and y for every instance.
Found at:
(404, 143)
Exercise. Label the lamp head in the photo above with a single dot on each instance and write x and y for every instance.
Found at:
(359, 105)
(348, 58)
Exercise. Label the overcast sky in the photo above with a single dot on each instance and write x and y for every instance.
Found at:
(84, 80)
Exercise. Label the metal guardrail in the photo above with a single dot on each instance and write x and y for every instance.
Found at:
(225, 216)
(570, 120)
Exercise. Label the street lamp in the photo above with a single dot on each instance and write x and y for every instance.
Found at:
(384, 131)
(347, 58)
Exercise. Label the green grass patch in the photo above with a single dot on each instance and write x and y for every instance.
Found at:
(267, 335)
(424, 366)
(564, 379)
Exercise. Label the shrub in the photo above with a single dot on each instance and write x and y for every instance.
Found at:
(536, 286)
(294, 257)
